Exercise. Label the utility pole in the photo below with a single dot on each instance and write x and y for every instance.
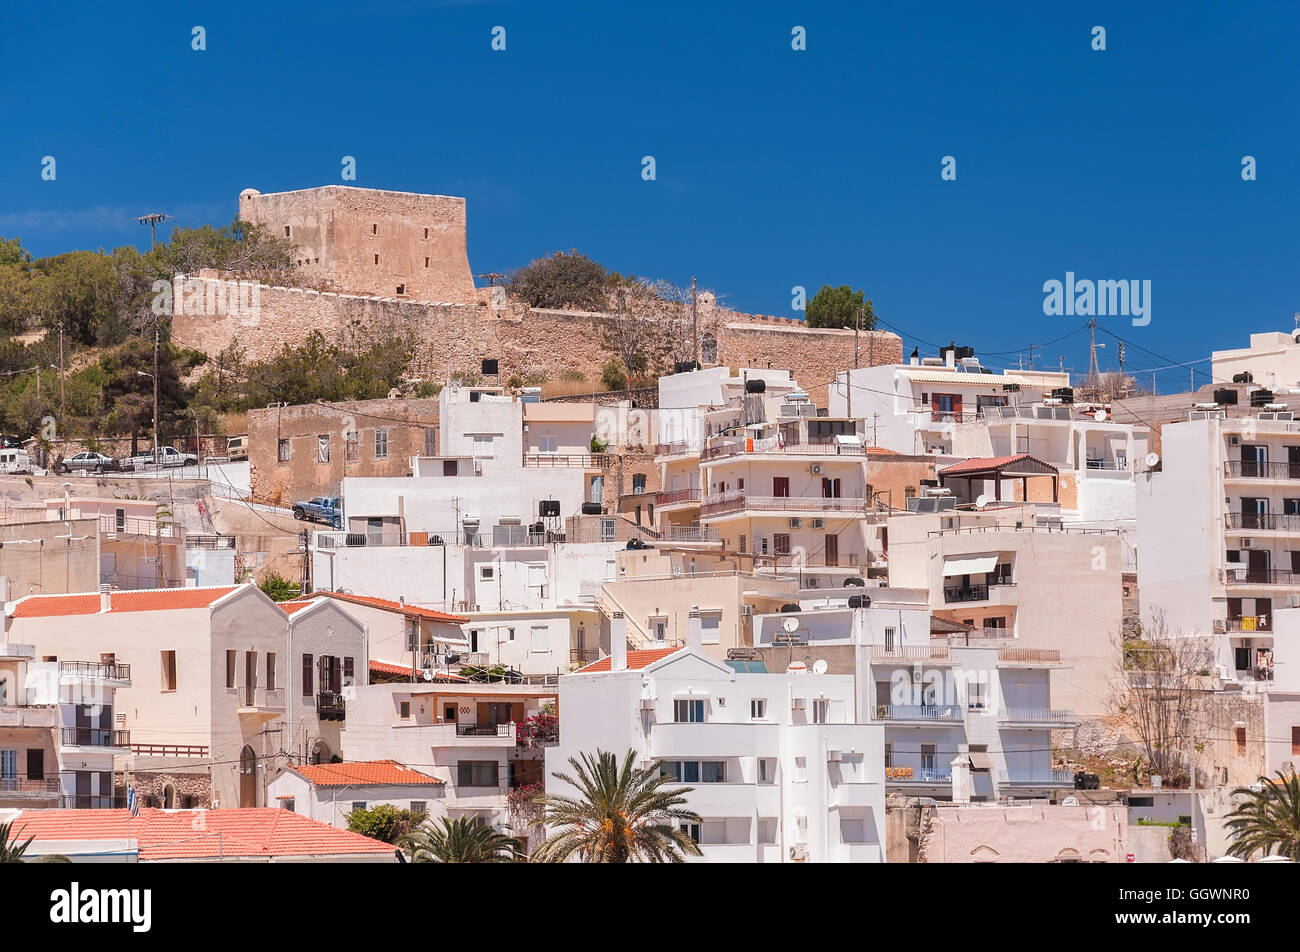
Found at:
(152, 219)
(1092, 353)
(857, 323)
(155, 392)
(1191, 753)
(695, 325)
(62, 398)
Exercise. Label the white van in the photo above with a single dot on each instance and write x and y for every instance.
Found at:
(15, 462)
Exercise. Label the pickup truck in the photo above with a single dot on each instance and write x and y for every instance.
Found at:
(324, 509)
(167, 456)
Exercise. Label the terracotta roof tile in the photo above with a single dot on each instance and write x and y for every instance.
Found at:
(170, 834)
(636, 660)
(367, 772)
(979, 465)
(290, 607)
(392, 606)
(383, 667)
(146, 600)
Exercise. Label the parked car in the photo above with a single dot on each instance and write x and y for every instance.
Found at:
(15, 462)
(167, 456)
(89, 462)
(324, 509)
(237, 448)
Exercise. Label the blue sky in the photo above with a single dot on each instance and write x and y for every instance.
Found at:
(775, 168)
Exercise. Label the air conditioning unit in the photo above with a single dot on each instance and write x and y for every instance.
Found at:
(647, 704)
(917, 672)
(796, 523)
(797, 704)
(478, 468)
(799, 854)
(818, 469)
(1247, 543)
(819, 523)
(834, 756)
(747, 609)
(1234, 441)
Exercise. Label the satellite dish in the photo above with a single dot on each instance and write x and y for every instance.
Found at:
(1070, 802)
(820, 666)
(791, 625)
(1153, 460)
(981, 501)
(1100, 416)
(796, 667)
(428, 674)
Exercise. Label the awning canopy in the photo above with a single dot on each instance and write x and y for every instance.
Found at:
(969, 564)
(979, 760)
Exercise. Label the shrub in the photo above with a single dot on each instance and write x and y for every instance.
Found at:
(385, 822)
(613, 375)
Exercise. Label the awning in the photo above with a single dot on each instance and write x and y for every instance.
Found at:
(461, 642)
(969, 564)
(847, 439)
(979, 760)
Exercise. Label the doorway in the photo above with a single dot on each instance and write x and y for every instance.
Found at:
(247, 778)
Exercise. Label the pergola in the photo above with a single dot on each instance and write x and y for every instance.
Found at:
(1022, 466)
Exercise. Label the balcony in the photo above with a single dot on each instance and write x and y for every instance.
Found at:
(330, 706)
(677, 448)
(484, 730)
(570, 460)
(674, 497)
(94, 737)
(169, 750)
(1251, 576)
(920, 713)
(91, 801)
(1028, 657)
(36, 788)
(1253, 623)
(718, 740)
(733, 501)
(1250, 469)
(31, 715)
(793, 561)
(1036, 778)
(910, 653)
(1261, 522)
(467, 735)
(775, 445)
(1030, 717)
(918, 775)
(583, 655)
(113, 526)
(975, 593)
(74, 671)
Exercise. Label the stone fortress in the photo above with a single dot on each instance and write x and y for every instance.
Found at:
(382, 262)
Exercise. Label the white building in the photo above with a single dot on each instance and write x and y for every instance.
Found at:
(329, 792)
(781, 767)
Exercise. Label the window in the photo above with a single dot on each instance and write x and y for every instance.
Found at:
(349, 671)
(426, 234)
(1141, 801)
(713, 771)
(821, 708)
(536, 576)
(477, 773)
(323, 448)
(374, 229)
(426, 262)
(286, 231)
(1295, 740)
(692, 830)
(889, 755)
(358, 805)
(688, 712)
(404, 710)
(381, 443)
(711, 629)
(288, 804)
(376, 259)
(781, 486)
(758, 708)
(401, 289)
(1240, 733)
(889, 639)
(766, 770)
(449, 713)
(450, 467)
(547, 444)
(485, 573)
(230, 669)
(282, 451)
(431, 441)
(976, 692)
(270, 670)
(927, 756)
(352, 446)
(638, 483)
(539, 645)
(483, 447)
(306, 675)
(169, 670)
(510, 634)
(120, 520)
(419, 806)
(8, 764)
(659, 627)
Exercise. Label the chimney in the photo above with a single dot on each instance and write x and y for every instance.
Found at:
(105, 598)
(961, 778)
(618, 642)
(915, 359)
(694, 637)
(950, 355)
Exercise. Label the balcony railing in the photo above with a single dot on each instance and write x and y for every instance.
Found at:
(330, 706)
(169, 750)
(772, 444)
(673, 496)
(1246, 623)
(909, 653)
(738, 500)
(677, 447)
(30, 787)
(918, 775)
(95, 670)
(91, 801)
(1036, 778)
(1029, 655)
(483, 730)
(570, 460)
(1250, 469)
(583, 655)
(1033, 715)
(919, 712)
(971, 593)
(1249, 576)
(818, 560)
(94, 737)
(134, 526)
(1255, 521)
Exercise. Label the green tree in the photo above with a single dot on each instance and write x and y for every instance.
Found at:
(1268, 821)
(837, 307)
(563, 280)
(462, 840)
(385, 822)
(621, 814)
(13, 252)
(280, 589)
(240, 248)
(613, 375)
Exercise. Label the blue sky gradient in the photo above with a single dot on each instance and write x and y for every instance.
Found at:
(775, 168)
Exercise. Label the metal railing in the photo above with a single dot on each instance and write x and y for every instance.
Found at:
(95, 670)
(209, 541)
(91, 801)
(677, 447)
(1246, 623)
(1250, 469)
(570, 460)
(484, 730)
(978, 635)
(94, 737)
(909, 653)
(919, 712)
(1036, 778)
(330, 706)
(583, 655)
(1249, 576)
(738, 500)
(1262, 520)
(672, 496)
(1029, 655)
(1032, 715)
(797, 560)
(133, 525)
(169, 750)
(972, 593)
(30, 787)
(772, 444)
(918, 775)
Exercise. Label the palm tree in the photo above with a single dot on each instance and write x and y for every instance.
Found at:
(1268, 820)
(462, 840)
(622, 814)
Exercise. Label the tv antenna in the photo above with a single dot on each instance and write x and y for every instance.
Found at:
(152, 219)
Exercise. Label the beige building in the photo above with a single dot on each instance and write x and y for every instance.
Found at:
(371, 241)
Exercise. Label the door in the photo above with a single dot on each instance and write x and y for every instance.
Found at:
(250, 678)
(1254, 459)
(830, 488)
(1254, 511)
(832, 549)
(83, 789)
(1257, 566)
(248, 778)
(1293, 462)
(781, 487)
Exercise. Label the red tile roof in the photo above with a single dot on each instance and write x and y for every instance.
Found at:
(177, 834)
(391, 606)
(636, 660)
(383, 667)
(363, 772)
(290, 607)
(146, 600)
(990, 463)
